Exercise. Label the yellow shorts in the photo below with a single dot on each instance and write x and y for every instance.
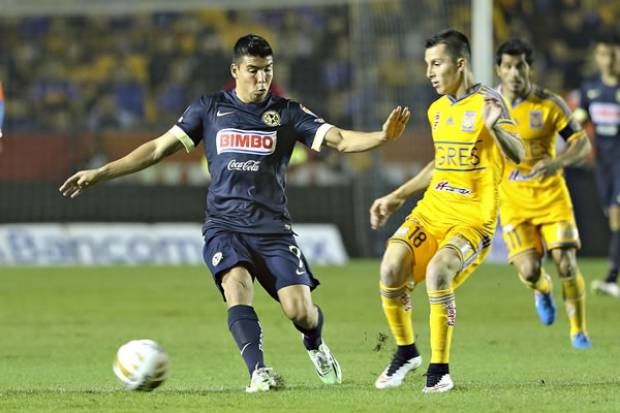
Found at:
(425, 240)
(532, 236)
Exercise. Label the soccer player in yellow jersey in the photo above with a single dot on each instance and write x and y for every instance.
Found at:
(535, 207)
(448, 233)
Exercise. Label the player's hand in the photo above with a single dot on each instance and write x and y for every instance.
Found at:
(396, 123)
(545, 167)
(492, 111)
(79, 182)
(382, 208)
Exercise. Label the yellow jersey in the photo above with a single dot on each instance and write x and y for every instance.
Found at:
(468, 163)
(540, 117)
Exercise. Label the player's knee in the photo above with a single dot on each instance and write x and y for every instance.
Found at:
(299, 311)
(392, 273)
(530, 271)
(567, 268)
(237, 284)
(441, 270)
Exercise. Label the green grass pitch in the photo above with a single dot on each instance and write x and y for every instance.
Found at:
(60, 328)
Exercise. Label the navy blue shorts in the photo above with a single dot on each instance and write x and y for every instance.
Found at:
(275, 260)
(608, 180)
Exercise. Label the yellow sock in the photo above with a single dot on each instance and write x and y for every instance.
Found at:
(573, 290)
(397, 308)
(543, 284)
(442, 318)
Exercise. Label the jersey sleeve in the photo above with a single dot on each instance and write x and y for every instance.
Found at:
(309, 128)
(505, 120)
(189, 128)
(562, 117)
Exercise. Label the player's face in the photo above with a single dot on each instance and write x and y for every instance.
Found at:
(605, 56)
(514, 73)
(443, 70)
(253, 76)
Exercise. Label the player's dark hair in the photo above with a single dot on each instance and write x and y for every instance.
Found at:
(515, 47)
(456, 43)
(251, 45)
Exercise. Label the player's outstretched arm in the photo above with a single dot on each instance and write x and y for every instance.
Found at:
(355, 141)
(510, 144)
(140, 158)
(385, 206)
(577, 150)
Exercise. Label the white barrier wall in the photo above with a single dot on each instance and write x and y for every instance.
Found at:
(138, 244)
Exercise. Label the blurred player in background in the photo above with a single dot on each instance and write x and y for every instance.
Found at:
(536, 211)
(248, 136)
(448, 233)
(599, 101)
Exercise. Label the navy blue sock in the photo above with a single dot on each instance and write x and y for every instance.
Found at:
(614, 256)
(245, 329)
(312, 337)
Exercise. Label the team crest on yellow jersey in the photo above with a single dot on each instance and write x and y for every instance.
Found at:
(536, 119)
(467, 124)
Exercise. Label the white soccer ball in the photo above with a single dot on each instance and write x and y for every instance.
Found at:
(141, 365)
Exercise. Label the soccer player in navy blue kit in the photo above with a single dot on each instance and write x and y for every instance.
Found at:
(599, 101)
(248, 136)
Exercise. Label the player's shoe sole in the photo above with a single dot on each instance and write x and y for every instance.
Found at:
(326, 365)
(264, 379)
(545, 307)
(386, 381)
(443, 385)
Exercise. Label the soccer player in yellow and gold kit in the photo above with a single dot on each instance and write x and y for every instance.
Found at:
(448, 233)
(535, 207)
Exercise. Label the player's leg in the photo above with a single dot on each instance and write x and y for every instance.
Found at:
(531, 273)
(307, 317)
(609, 285)
(608, 181)
(395, 287)
(573, 291)
(228, 260)
(285, 274)
(441, 270)
(525, 251)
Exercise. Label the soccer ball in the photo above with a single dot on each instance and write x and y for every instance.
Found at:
(141, 365)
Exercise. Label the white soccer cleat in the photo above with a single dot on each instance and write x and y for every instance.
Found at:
(606, 288)
(395, 373)
(326, 365)
(264, 379)
(443, 385)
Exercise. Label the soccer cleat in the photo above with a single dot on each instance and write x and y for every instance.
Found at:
(326, 365)
(581, 341)
(545, 307)
(605, 288)
(395, 373)
(438, 383)
(264, 379)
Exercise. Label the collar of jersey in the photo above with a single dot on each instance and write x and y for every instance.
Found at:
(467, 94)
(519, 100)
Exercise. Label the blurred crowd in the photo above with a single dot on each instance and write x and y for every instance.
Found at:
(350, 63)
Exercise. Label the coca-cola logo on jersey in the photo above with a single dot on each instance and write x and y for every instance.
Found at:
(244, 141)
(245, 166)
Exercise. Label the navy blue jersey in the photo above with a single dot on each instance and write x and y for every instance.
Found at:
(602, 103)
(248, 147)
